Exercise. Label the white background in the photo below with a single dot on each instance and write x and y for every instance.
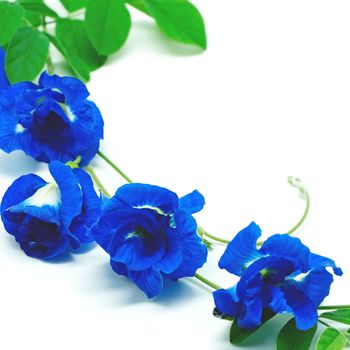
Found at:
(268, 99)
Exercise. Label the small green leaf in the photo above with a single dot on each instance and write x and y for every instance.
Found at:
(340, 315)
(31, 16)
(40, 9)
(79, 67)
(291, 338)
(239, 335)
(72, 35)
(26, 54)
(108, 24)
(179, 20)
(138, 4)
(74, 5)
(331, 339)
(11, 17)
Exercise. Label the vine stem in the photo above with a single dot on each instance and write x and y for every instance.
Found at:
(333, 307)
(115, 167)
(206, 281)
(97, 181)
(324, 323)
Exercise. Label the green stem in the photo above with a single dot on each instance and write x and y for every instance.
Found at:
(203, 232)
(49, 64)
(115, 167)
(207, 282)
(333, 307)
(97, 181)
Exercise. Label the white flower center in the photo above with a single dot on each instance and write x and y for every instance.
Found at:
(46, 195)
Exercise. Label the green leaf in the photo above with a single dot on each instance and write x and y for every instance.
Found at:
(340, 315)
(179, 20)
(26, 54)
(239, 335)
(331, 339)
(31, 16)
(74, 5)
(108, 24)
(291, 338)
(40, 8)
(11, 17)
(79, 67)
(72, 35)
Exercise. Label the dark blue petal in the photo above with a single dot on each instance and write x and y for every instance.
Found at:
(251, 314)
(241, 251)
(194, 251)
(274, 298)
(71, 194)
(91, 208)
(4, 83)
(303, 309)
(320, 262)
(287, 247)
(149, 281)
(226, 301)
(147, 196)
(119, 268)
(192, 202)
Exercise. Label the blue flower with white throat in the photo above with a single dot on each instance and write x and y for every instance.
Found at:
(53, 120)
(282, 276)
(149, 233)
(48, 218)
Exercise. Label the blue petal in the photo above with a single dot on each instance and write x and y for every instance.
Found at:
(71, 194)
(274, 298)
(149, 281)
(320, 262)
(241, 251)
(316, 285)
(44, 204)
(91, 208)
(192, 202)
(288, 247)
(73, 89)
(194, 251)
(303, 309)
(147, 196)
(226, 301)
(4, 83)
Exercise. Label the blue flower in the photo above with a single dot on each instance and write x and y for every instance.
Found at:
(50, 121)
(150, 233)
(283, 276)
(47, 218)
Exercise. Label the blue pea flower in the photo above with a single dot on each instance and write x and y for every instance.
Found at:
(49, 121)
(47, 218)
(283, 276)
(150, 233)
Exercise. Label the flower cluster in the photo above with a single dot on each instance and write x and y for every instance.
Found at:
(283, 276)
